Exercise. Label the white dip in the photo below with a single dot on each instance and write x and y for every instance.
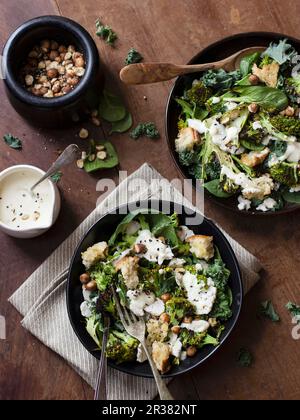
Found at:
(21, 209)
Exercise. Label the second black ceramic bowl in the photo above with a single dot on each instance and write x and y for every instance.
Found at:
(63, 110)
(214, 52)
(101, 231)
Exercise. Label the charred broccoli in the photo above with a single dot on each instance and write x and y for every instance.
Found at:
(285, 173)
(177, 308)
(191, 338)
(198, 94)
(287, 125)
(103, 274)
(121, 347)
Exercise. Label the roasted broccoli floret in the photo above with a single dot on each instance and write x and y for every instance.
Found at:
(229, 186)
(287, 125)
(94, 327)
(198, 94)
(121, 347)
(177, 308)
(191, 338)
(285, 173)
(103, 274)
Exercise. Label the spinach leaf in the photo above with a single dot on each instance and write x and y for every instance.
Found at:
(294, 310)
(268, 98)
(166, 283)
(251, 145)
(111, 107)
(268, 311)
(12, 141)
(161, 224)
(122, 226)
(110, 161)
(56, 177)
(247, 63)
(187, 108)
(291, 197)
(122, 125)
(215, 188)
(244, 357)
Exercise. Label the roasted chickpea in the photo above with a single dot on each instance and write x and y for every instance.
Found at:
(140, 248)
(51, 73)
(187, 319)
(164, 318)
(191, 351)
(91, 286)
(53, 54)
(85, 278)
(165, 297)
(175, 329)
(253, 108)
(253, 79)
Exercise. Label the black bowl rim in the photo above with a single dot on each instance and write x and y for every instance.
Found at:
(84, 38)
(222, 202)
(236, 316)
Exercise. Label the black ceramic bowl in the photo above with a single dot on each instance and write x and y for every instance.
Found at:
(217, 51)
(51, 112)
(102, 230)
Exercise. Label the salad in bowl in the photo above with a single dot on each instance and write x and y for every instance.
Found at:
(239, 131)
(164, 272)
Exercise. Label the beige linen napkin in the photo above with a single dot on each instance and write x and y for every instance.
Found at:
(41, 298)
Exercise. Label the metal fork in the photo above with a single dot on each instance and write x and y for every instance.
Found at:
(136, 328)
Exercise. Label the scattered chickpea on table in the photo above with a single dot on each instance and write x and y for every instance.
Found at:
(52, 70)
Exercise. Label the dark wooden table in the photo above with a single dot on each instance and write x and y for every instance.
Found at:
(162, 30)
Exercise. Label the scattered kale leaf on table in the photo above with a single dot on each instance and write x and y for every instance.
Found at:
(133, 57)
(244, 357)
(268, 311)
(12, 141)
(106, 33)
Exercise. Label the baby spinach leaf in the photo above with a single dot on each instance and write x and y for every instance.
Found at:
(291, 197)
(122, 125)
(12, 141)
(268, 311)
(110, 161)
(214, 187)
(268, 98)
(111, 107)
(247, 63)
(251, 145)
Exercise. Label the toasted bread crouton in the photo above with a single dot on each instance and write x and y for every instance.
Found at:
(202, 246)
(157, 330)
(161, 355)
(129, 269)
(187, 139)
(268, 74)
(253, 159)
(94, 254)
(258, 187)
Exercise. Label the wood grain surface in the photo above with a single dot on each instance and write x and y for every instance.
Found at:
(170, 31)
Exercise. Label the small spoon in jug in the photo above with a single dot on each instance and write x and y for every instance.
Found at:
(68, 156)
(144, 73)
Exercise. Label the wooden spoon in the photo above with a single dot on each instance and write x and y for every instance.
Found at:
(143, 73)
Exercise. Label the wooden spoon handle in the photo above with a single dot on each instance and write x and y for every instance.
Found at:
(143, 73)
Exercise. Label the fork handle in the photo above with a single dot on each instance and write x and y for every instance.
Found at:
(163, 391)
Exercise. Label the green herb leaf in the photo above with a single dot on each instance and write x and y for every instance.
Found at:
(106, 33)
(291, 197)
(56, 177)
(268, 311)
(147, 129)
(122, 125)
(110, 161)
(244, 357)
(247, 63)
(294, 310)
(12, 141)
(133, 56)
(281, 52)
(268, 98)
(111, 107)
(215, 188)
(251, 145)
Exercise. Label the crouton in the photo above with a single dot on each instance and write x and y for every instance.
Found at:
(161, 355)
(187, 139)
(129, 269)
(157, 330)
(258, 187)
(94, 254)
(202, 246)
(268, 74)
(253, 159)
